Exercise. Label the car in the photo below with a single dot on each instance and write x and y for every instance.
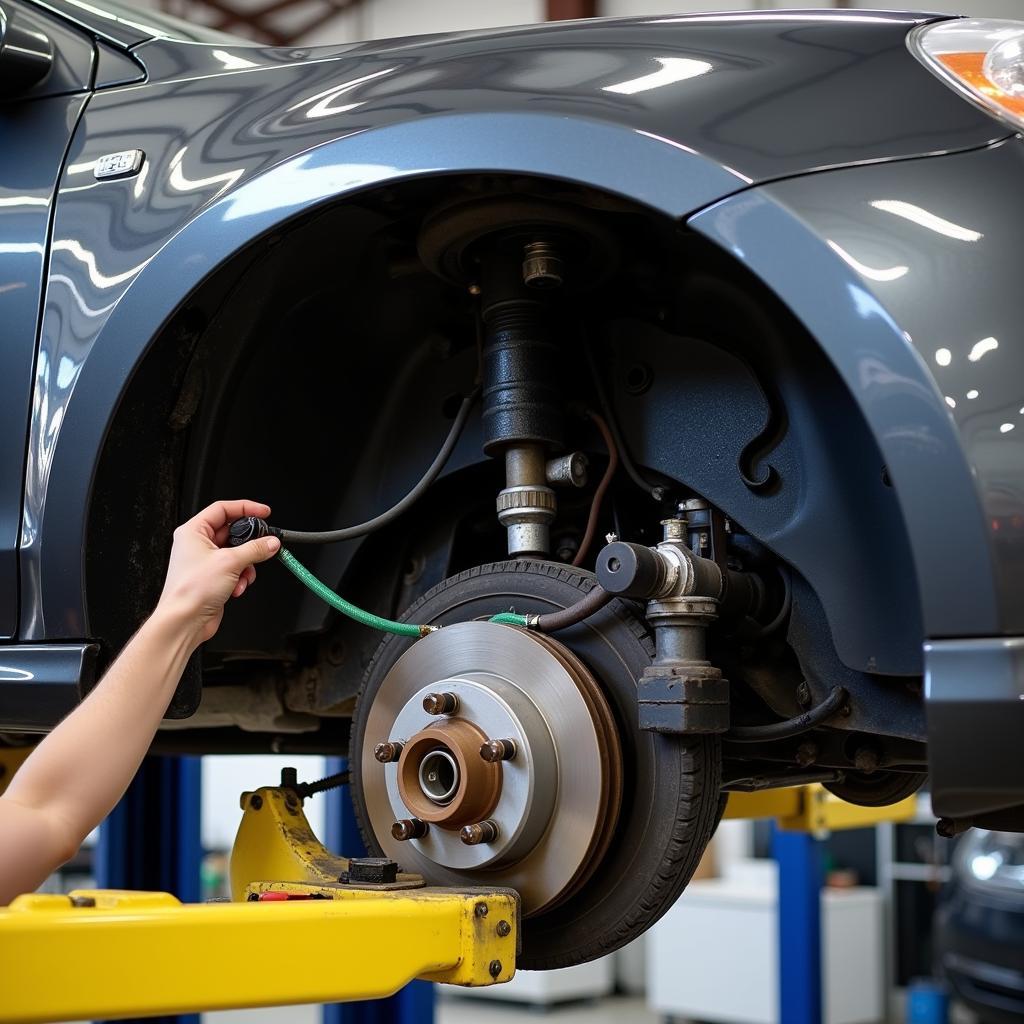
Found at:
(687, 348)
(979, 926)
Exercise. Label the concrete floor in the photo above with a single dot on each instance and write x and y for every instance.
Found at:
(614, 1010)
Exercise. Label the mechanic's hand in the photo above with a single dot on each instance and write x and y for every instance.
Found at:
(203, 573)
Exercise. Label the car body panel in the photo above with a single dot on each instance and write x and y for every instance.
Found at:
(35, 135)
(74, 56)
(882, 336)
(900, 272)
(232, 153)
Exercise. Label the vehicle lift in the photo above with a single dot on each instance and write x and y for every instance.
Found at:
(303, 925)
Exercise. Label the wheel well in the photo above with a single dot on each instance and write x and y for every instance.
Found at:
(319, 370)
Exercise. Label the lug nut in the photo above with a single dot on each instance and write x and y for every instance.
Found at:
(440, 703)
(481, 832)
(409, 828)
(498, 750)
(386, 753)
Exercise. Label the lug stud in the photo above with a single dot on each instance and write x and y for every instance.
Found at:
(387, 752)
(481, 832)
(440, 703)
(409, 828)
(498, 750)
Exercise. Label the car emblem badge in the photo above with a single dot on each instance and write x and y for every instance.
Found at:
(119, 165)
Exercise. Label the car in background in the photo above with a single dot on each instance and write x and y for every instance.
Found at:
(979, 926)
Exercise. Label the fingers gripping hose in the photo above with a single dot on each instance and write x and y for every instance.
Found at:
(250, 527)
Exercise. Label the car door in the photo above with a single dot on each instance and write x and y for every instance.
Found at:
(46, 72)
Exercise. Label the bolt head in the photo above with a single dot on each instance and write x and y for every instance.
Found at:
(494, 751)
(480, 910)
(504, 929)
(386, 753)
(409, 828)
(494, 968)
(440, 703)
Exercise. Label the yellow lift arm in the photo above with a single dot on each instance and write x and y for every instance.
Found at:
(303, 926)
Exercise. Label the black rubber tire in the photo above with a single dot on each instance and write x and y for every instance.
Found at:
(671, 784)
(879, 789)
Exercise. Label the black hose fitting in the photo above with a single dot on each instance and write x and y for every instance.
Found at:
(250, 528)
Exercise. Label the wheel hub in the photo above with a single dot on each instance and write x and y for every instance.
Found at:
(546, 809)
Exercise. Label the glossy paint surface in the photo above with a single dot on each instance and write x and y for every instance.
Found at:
(35, 136)
(909, 278)
(674, 113)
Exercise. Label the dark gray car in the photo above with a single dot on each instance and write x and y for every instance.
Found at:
(722, 308)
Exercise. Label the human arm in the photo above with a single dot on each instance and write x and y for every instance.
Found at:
(76, 775)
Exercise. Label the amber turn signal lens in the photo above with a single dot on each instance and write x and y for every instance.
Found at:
(970, 69)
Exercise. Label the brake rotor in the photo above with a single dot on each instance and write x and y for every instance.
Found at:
(553, 805)
(603, 832)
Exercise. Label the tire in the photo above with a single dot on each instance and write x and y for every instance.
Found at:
(671, 801)
(879, 789)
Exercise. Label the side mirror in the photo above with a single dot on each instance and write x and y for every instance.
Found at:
(26, 56)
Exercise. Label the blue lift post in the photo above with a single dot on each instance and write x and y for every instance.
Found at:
(151, 840)
(799, 857)
(413, 1004)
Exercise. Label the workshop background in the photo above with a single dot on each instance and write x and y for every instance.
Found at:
(716, 956)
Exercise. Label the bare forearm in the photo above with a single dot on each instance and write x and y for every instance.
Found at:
(79, 772)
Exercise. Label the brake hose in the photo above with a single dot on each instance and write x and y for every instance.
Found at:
(336, 601)
(432, 473)
(250, 527)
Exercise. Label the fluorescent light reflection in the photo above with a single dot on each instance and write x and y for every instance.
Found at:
(672, 70)
(873, 273)
(943, 356)
(931, 221)
(951, 402)
(983, 346)
(972, 394)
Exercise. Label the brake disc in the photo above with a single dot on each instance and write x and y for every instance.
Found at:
(597, 825)
(552, 805)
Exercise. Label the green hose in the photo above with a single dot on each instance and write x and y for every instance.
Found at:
(510, 619)
(325, 593)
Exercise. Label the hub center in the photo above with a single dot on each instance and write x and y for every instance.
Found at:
(439, 776)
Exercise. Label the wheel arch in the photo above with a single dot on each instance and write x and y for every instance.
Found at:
(896, 394)
(639, 166)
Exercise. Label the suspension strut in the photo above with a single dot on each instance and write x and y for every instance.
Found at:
(520, 287)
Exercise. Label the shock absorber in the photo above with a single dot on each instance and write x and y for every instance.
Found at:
(522, 403)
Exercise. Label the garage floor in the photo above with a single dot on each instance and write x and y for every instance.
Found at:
(471, 1011)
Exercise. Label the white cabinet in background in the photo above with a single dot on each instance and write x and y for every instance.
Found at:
(714, 956)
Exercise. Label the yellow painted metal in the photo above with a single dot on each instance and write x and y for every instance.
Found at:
(141, 954)
(274, 841)
(814, 809)
(11, 759)
(106, 954)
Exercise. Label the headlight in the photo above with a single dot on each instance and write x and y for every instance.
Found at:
(992, 860)
(981, 58)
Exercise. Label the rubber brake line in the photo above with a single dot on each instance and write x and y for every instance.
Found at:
(250, 527)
